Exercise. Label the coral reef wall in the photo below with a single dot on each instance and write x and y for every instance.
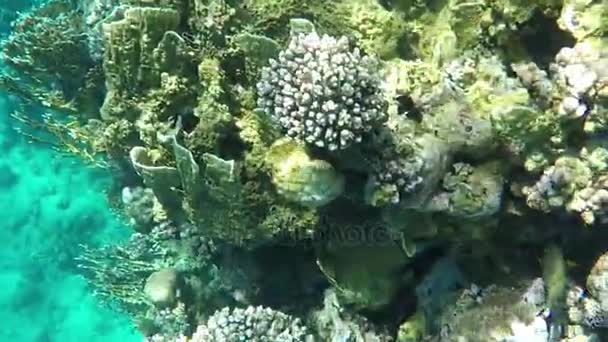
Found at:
(348, 170)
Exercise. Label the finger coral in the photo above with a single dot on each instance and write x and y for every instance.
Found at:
(321, 92)
(256, 324)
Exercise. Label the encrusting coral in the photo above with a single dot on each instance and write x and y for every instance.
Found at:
(346, 170)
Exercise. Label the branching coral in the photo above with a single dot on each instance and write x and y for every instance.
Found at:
(118, 273)
(149, 275)
(322, 93)
(49, 41)
(67, 137)
(49, 61)
(250, 324)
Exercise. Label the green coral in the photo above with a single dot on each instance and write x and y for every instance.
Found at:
(466, 130)
(531, 133)
(300, 25)
(527, 132)
(437, 42)
(470, 191)
(217, 206)
(230, 208)
(300, 178)
(272, 18)
(413, 329)
(442, 30)
(258, 133)
(374, 28)
(215, 121)
(465, 20)
(129, 63)
(258, 49)
(48, 60)
(210, 21)
(413, 77)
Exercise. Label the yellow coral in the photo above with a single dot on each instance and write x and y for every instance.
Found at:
(376, 29)
(412, 330)
(301, 179)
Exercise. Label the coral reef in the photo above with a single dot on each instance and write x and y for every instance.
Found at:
(48, 62)
(353, 170)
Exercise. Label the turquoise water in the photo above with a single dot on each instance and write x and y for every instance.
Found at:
(51, 205)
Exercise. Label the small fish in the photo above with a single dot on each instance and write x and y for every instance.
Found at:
(556, 280)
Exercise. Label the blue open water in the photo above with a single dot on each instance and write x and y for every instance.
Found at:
(49, 205)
